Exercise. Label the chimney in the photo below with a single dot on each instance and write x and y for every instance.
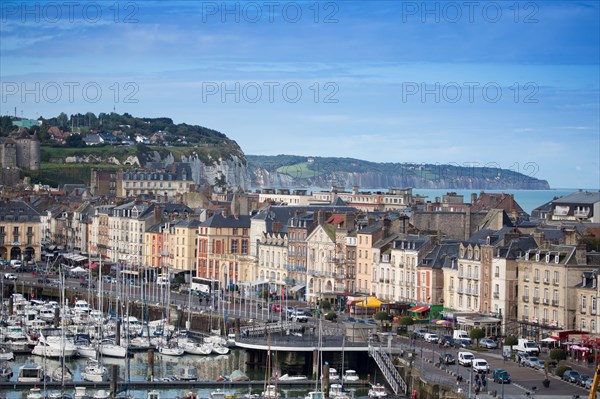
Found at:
(225, 212)
(580, 254)
(473, 198)
(276, 226)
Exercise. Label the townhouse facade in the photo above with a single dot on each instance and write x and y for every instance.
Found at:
(20, 233)
(321, 273)
(223, 242)
(406, 254)
(547, 278)
(587, 294)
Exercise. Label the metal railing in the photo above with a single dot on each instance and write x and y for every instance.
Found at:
(386, 365)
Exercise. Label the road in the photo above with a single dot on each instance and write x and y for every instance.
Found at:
(524, 379)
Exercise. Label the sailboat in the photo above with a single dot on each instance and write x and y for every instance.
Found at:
(270, 391)
(318, 393)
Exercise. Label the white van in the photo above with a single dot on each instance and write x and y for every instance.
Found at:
(431, 337)
(465, 358)
(15, 263)
(481, 366)
(461, 334)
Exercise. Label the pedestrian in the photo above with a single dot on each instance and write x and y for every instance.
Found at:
(484, 383)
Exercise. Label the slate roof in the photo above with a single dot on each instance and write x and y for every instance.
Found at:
(442, 255)
(18, 211)
(230, 221)
(580, 197)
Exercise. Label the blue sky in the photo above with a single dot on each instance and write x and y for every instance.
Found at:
(500, 83)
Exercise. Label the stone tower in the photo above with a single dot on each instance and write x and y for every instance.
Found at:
(8, 153)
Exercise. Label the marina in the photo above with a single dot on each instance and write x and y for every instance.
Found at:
(51, 350)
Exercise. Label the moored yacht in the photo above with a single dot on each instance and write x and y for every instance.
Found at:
(94, 371)
(30, 372)
(53, 344)
(351, 376)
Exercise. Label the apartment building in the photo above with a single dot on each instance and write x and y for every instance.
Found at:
(299, 227)
(587, 294)
(430, 272)
(99, 231)
(157, 183)
(547, 278)
(223, 243)
(581, 206)
(321, 266)
(406, 253)
(272, 258)
(20, 231)
(183, 245)
(366, 201)
(284, 196)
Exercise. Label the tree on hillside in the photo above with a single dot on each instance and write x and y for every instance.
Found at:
(6, 125)
(75, 141)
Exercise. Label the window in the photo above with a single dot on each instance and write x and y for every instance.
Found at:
(583, 302)
(594, 300)
(497, 272)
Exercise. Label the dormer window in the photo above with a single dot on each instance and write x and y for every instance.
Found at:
(537, 257)
(547, 257)
(527, 255)
(557, 258)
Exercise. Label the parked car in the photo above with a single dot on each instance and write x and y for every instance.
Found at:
(488, 343)
(588, 383)
(461, 343)
(10, 276)
(571, 376)
(501, 376)
(43, 280)
(371, 322)
(530, 361)
(583, 378)
(539, 364)
(420, 333)
(350, 319)
(431, 337)
(481, 366)
(446, 340)
(447, 358)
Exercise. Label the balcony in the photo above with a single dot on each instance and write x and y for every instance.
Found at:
(592, 310)
(459, 290)
(536, 280)
(526, 279)
(525, 298)
(555, 281)
(536, 299)
(583, 310)
(581, 213)
(546, 301)
(545, 321)
(555, 302)
(547, 281)
(496, 295)
(525, 318)
(496, 275)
